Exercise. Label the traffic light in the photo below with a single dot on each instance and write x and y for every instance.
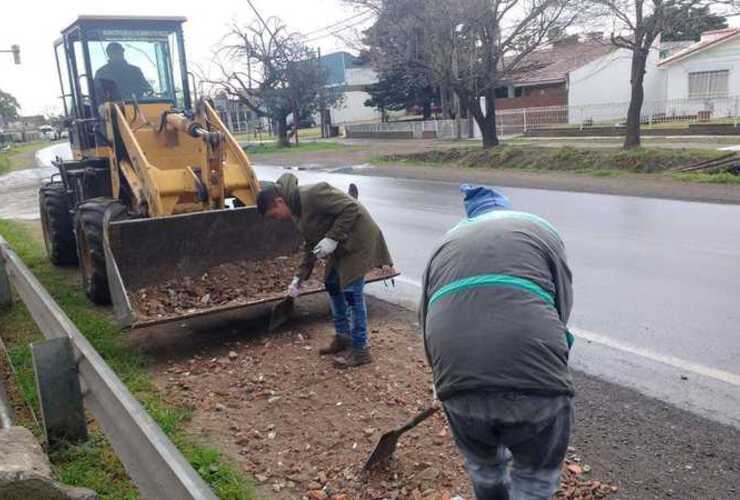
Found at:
(16, 50)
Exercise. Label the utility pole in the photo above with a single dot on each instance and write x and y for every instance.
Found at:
(322, 118)
(16, 51)
(458, 125)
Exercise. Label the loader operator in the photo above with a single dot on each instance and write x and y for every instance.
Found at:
(118, 79)
(496, 297)
(336, 227)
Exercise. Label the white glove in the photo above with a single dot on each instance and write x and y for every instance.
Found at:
(325, 248)
(296, 287)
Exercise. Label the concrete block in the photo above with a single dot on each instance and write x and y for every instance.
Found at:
(25, 472)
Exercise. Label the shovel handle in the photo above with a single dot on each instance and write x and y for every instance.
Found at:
(419, 418)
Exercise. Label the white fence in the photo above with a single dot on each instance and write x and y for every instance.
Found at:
(667, 113)
(676, 112)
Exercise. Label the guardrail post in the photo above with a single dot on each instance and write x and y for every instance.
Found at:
(6, 299)
(58, 388)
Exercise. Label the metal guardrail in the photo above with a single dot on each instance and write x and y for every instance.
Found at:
(155, 465)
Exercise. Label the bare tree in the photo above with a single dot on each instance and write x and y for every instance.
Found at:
(638, 24)
(273, 73)
(471, 47)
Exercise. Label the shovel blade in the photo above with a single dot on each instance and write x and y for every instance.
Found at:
(388, 441)
(384, 449)
(280, 313)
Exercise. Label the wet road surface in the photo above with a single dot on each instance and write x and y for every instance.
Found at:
(19, 189)
(656, 282)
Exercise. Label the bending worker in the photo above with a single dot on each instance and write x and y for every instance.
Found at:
(495, 303)
(335, 227)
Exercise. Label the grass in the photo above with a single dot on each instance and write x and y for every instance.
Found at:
(93, 464)
(303, 147)
(9, 159)
(304, 133)
(720, 178)
(600, 162)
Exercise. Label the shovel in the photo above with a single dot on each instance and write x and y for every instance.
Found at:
(388, 441)
(280, 313)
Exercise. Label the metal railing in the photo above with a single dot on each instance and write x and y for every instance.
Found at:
(154, 464)
(671, 112)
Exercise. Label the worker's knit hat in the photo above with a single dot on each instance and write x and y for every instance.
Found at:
(481, 199)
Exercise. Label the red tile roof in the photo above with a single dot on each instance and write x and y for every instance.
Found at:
(552, 64)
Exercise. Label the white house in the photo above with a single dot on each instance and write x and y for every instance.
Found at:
(706, 74)
(695, 80)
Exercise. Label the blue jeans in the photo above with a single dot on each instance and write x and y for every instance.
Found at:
(512, 458)
(349, 310)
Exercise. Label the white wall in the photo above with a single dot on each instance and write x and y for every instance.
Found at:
(353, 109)
(600, 90)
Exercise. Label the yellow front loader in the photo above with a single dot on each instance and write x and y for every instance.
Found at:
(144, 198)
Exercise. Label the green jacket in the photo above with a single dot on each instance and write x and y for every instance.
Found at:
(322, 211)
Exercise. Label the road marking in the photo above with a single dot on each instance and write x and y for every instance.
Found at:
(681, 364)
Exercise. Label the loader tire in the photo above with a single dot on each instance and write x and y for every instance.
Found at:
(89, 230)
(57, 224)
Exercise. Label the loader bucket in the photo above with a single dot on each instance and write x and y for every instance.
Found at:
(147, 252)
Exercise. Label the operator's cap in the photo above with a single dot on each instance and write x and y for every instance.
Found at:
(481, 199)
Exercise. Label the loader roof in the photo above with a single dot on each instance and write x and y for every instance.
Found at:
(124, 20)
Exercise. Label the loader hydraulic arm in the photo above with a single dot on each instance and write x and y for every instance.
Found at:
(174, 162)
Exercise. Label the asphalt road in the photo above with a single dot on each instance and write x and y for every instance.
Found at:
(656, 282)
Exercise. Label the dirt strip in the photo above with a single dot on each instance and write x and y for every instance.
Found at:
(304, 429)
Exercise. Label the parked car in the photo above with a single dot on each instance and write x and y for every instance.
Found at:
(48, 133)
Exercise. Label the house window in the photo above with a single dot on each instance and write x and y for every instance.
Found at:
(502, 92)
(518, 91)
(708, 84)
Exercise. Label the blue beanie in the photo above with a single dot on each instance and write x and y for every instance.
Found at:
(481, 199)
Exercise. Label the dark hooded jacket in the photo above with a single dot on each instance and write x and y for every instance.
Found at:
(322, 211)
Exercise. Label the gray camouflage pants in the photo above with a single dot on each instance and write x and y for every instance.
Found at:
(513, 444)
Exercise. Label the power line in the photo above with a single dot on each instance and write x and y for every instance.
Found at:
(338, 23)
(267, 28)
(335, 32)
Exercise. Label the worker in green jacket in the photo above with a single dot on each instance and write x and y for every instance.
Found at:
(335, 227)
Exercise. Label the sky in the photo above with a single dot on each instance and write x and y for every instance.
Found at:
(35, 25)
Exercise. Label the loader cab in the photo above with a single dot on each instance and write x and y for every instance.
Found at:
(137, 60)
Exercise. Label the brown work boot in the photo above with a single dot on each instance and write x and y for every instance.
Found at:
(338, 344)
(356, 357)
